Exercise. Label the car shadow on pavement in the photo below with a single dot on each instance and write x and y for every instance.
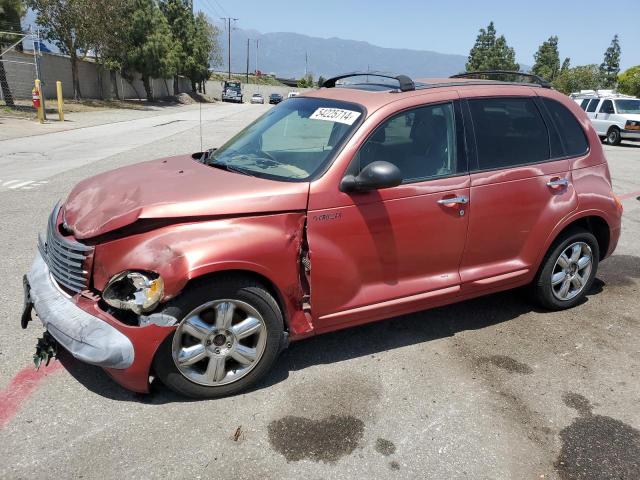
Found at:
(629, 144)
(342, 345)
(373, 338)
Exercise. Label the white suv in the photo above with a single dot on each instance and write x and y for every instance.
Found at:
(614, 117)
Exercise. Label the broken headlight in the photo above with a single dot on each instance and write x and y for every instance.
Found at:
(135, 291)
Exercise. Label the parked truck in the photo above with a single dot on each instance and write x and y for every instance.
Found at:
(232, 92)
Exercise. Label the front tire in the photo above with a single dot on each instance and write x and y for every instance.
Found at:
(613, 136)
(568, 270)
(228, 337)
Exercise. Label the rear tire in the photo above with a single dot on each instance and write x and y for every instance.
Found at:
(613, 136)
(567, 271)
(229, 336)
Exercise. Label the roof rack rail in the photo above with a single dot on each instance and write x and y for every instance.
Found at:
(486, 74)
(405, 83)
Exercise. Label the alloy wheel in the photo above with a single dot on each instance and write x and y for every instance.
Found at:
(571, 271)
(219, 342)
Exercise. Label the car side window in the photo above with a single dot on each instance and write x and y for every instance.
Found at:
(509, 132)
(607, 107)
(573, 137)
(421, 142)
(593, 104)
(584, 103)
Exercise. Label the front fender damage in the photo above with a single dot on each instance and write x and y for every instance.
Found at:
(272, 246)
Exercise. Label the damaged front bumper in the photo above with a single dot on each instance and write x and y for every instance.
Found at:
(87, 337)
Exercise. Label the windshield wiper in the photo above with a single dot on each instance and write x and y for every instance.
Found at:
(231, 168)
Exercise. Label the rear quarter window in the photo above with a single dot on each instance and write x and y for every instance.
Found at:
(509, 132)
(572, 135)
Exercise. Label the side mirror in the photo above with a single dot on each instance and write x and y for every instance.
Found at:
(374, 176)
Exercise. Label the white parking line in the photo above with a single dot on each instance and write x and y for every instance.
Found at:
(22, 184)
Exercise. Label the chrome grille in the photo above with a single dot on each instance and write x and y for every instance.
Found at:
(65, 258)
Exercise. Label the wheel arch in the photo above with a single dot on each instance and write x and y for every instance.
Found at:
(590, 221)
(247, 273)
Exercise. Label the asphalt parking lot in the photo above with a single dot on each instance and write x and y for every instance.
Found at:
(492, 388)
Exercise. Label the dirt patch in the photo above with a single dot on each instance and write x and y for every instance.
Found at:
(596, 447)
(385, 447)
(506, 363)
(355, 396)
(326, 440)
(191, 98)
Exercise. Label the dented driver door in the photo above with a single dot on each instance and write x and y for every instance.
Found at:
(390, 251)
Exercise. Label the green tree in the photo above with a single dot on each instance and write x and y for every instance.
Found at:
(181, 22)
(67, 24)
(547, 60)
(108, 35)
(584, 77)
(491, 52)
(629, 81)
(306, 81)
(321, 80)
(11, 11)
(205, 51)
(610, 67)
(566, 65)
(151, 48)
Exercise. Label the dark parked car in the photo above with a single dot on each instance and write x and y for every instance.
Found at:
(275, 98)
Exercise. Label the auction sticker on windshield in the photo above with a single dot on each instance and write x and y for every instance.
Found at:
(335, 115)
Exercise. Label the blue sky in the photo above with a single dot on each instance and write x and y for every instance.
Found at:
(585, 28)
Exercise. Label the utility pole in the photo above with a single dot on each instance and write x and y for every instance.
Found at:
(306, 64)
(228, 19)
(247, 60)
(257, 52)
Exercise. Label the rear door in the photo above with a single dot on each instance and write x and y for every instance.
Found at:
(520, 189)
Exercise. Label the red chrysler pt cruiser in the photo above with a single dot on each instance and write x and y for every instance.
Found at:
(372, 197)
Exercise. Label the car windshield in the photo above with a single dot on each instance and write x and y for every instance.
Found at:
(628, 106)
(292, 141)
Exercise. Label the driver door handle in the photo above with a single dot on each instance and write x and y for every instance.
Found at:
(558, 182)
(454, 200)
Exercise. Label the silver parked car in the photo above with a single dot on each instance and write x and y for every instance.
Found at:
(257, 98)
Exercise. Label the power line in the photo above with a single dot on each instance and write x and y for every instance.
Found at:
(213, 11)
(221, 8)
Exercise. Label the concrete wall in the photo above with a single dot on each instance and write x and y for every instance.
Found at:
(97, 83)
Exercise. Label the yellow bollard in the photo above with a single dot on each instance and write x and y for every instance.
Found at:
(59, 93)
(39, 107)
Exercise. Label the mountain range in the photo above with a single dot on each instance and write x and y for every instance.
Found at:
(284, 55)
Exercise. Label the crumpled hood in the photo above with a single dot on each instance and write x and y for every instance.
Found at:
(176, 187)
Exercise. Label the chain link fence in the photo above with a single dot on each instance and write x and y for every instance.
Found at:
(18, 70)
